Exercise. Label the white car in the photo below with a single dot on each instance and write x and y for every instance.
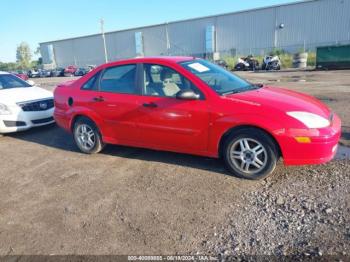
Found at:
(22, 105)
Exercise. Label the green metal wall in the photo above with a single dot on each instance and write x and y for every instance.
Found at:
(333, 57)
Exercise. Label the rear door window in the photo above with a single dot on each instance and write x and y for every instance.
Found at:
(119, 79)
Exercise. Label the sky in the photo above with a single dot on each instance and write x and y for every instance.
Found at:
(41, 20)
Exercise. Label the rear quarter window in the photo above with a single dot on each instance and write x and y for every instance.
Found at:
(92, 83)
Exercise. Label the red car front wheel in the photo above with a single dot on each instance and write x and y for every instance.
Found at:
(250, 153)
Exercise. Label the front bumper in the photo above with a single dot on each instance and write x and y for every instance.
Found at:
(21, 120)
(321, 149)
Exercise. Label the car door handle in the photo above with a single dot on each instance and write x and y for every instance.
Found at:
(98, 99)
(153, 105)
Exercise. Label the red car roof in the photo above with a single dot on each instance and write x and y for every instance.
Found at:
(173, 59)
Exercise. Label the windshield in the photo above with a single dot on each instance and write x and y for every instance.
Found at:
(220, 80)
(8, 81)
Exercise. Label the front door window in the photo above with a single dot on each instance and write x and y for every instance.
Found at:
(163, 81)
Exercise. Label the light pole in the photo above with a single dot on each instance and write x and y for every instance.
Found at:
(104, 39)
(167, 39)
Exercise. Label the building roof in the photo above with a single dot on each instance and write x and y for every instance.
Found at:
(184, 20)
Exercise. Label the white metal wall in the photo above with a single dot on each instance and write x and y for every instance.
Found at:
(324, 21)
(188, 37)
(309, 24)
(248, 30)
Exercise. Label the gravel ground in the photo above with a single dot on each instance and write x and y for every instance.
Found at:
(302, 212)
(54, 200)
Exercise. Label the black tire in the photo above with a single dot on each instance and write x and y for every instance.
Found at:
(240, 67)
(98, 144)
(253, 134)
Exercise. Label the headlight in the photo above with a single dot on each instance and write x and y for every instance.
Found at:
(4, 110)
(309, 119)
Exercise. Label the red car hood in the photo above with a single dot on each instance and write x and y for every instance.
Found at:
(283, 100)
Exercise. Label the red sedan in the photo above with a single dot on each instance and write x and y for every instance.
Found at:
(70, 70)
(189, 105)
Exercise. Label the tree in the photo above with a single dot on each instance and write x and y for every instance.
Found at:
(37, 51)
(23, 55)
(36, 63)
(8, 66)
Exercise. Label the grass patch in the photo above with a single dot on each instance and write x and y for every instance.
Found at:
(311, 60)
(286, 60)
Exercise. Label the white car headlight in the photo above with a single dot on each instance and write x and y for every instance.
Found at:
(309, 119)
(4, 110)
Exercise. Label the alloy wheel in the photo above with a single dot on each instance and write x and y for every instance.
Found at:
(85, 137)
(248, 155)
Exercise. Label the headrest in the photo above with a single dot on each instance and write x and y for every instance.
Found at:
(166, 74)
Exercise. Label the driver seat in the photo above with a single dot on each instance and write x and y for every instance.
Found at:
(170, 88)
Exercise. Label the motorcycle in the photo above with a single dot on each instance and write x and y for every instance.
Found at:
(271, 63)
(246, 63)
(221, 63)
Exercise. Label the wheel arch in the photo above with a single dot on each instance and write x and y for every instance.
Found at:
(78, 116)
(246, 126)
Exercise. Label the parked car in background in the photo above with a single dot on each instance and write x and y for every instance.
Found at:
(45, 73)
(192, 106)
(22, 105)
(81, 71)
(33, 73)
(70, 70)
(21, 74)
(58, 72)
(90, 68)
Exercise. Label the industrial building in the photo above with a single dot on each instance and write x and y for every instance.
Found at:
(294, 26)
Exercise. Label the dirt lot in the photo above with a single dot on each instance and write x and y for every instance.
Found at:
(55, 200)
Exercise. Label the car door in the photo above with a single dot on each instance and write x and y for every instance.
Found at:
(115, 102)
(166, 122)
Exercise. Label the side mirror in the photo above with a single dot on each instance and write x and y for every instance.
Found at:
(187, 95)
(31, 82)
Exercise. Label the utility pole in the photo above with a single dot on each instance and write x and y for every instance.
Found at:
(275, 32)
(168, 46)
(104, 39)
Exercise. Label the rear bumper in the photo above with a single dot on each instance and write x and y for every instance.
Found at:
(321, 149)
(62, 120)
(25, 120)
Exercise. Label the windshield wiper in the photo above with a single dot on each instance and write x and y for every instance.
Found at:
(230, 92)
(247, 88)
(256, 86)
